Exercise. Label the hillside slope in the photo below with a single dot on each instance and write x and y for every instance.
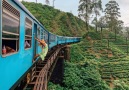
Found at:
(56, 21)
(97, 63)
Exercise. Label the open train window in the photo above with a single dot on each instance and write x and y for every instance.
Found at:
(38, 33)
(46, 37)
(10, 28)
(52, 38)
(28, 33)
(41, 34)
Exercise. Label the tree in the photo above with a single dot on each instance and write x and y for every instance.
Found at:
(119, 26)
(85, 11)
(94, 21)
(112, 13)
(102, 22)
(96, 8)
(127, 32)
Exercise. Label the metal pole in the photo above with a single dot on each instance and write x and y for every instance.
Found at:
(53, 3)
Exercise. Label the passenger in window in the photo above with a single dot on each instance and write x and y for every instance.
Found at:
(27, 45)
(4, 50)
(7, 49)
(44, 47)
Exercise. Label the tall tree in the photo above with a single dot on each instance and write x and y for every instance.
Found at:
(94, 21)
(102, 22)
(96, 8)
(127, 32)
(119, 26)
(112, 14)
(85, 11)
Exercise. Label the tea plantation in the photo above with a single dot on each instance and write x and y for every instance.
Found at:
(97, 63)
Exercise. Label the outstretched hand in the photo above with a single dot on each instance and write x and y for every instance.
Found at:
(41, 41)
(37, 39)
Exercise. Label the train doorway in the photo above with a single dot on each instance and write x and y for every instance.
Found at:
(35, 36)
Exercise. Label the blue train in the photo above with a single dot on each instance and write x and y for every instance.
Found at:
(19, 27)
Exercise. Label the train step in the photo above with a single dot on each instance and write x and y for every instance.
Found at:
(32, 83)
(28, 89)
(39, 67)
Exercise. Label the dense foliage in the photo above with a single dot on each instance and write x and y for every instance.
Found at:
(56, 21)
(96, 66)
(82, 72)
(98, 62)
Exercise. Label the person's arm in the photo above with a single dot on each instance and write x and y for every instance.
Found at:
(37, 39)
(41, 42)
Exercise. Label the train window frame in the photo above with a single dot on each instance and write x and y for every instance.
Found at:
(42, 34)
(46, 36)
(52, 37)
(30, 25)
(39, 32)
(11, 14)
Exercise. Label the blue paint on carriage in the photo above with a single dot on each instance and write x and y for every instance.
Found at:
(0, 29)
(13, 66)
(52, 40)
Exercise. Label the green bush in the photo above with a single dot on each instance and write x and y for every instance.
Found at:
(120, 85)
(56, 21)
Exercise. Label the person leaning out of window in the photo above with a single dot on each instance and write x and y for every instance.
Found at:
(44, 48)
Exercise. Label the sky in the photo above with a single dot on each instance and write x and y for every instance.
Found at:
(72, 6)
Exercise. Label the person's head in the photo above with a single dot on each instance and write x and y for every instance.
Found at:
(42, 42)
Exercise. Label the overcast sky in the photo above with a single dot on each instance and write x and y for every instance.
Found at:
(72, 6)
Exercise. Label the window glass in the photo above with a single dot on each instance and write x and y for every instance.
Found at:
(28, 33)
(46, 37)
(10, 28)
(42, 34)
(38, 33)
(10, 24)
(52, 38)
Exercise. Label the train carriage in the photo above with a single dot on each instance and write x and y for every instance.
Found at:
(52, 40)
(18, 29)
